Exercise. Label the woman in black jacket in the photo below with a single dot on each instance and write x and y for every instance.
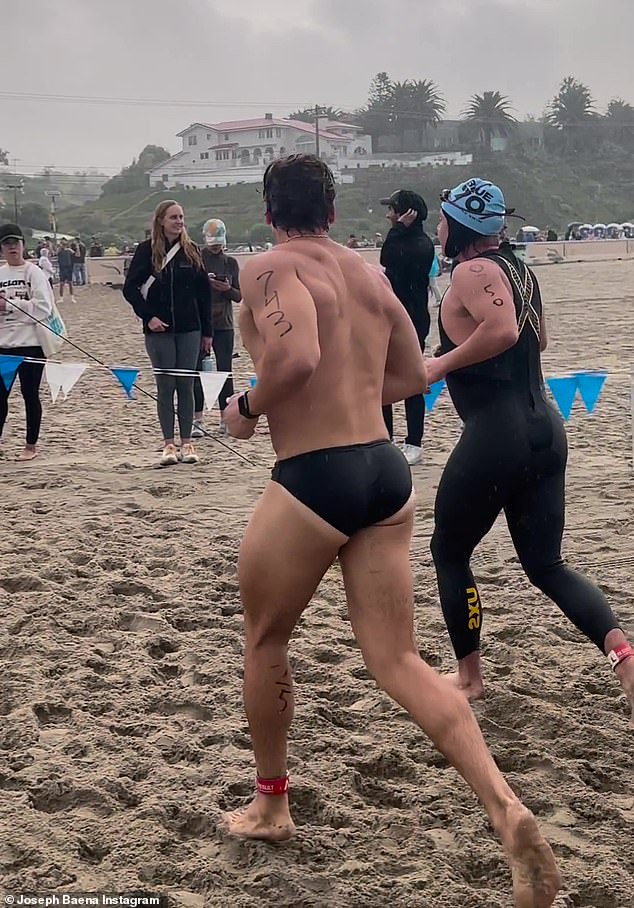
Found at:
(168, 288)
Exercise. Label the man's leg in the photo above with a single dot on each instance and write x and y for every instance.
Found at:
(378, 581)
(285, 552)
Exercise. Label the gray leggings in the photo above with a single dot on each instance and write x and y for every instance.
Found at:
(174, 351)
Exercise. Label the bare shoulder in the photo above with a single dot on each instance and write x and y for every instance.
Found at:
(477, 276)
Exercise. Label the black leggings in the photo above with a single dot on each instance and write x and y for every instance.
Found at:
(223, 350)
(502, 462)
(30, 376)
(414, 406)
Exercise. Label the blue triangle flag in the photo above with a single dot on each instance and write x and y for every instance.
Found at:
(564, 391)
(433, 394)
(590, 385)
(126, 376)
(9, 365)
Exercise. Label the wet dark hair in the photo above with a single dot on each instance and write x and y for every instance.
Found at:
(299, 192)
(459, 237)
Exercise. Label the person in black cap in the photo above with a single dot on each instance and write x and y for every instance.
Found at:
(407, 256)
(25, 297)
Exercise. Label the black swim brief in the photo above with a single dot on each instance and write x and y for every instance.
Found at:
(350, 487)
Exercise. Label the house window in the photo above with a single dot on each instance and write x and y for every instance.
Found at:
(225, 156)
(192, 140)
(217, 156)
(166, 177)
(226, 137)
(261, 134)
(204, 155)
(208, 139)
(278, 133)
(269, 151)
(257, 154)
(234, 154)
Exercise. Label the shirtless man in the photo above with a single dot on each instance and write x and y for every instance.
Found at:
(512, 453)
(331, 344)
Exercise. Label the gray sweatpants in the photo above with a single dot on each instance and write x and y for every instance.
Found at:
(174, 351)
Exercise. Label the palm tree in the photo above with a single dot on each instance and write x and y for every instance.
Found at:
(415, 106)
(489, 113)
(620, 121)
(307, 115)
(572, 110)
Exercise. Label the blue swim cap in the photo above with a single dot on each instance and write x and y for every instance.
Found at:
(477, 204)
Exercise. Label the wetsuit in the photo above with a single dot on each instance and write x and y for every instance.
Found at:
(511, 457)
(350, 487)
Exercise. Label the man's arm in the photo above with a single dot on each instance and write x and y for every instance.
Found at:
(487, 297)
(405, 373)
(286, 320)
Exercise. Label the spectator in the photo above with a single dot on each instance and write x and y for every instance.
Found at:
(224, 277)
(434, 274)
(168, 288)
(24, 292)
(65, 267)
(407, 256)
(44, 261)
(79, 262)
(96, 249)
(353, 242)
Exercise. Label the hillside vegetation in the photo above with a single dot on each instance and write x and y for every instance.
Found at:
(545, 189)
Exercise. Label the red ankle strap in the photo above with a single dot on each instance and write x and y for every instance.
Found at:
(620, 654)
(273, 786)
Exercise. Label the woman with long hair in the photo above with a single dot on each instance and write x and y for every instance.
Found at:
(168, 288)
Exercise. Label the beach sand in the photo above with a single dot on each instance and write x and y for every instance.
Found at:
(122, 732)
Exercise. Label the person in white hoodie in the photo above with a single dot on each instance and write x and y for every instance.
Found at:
(25, 295)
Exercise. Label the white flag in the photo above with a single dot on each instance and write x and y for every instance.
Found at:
(212, 383)
(63, 377)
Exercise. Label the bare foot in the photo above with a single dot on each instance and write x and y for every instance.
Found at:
(625, 674)
(260, 821)
(28, 454)
(471, 690)
(536, 877)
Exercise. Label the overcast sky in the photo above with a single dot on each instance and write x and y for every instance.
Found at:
(246, 57)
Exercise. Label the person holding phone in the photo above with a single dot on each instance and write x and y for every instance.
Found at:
(223, 272)
(168, 288)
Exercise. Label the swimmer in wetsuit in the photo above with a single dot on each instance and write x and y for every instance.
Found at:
(331, 343)
(512, 452)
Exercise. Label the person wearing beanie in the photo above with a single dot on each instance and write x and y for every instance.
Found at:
(512, 452)
(224, 278)
(407, 256)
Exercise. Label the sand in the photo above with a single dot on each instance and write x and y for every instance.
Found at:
(122, 734)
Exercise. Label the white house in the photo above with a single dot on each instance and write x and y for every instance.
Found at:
(221, 154)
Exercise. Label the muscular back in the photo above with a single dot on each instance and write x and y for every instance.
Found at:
(354, 310)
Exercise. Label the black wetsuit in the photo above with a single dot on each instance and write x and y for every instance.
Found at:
(512, 457)
(350, 487)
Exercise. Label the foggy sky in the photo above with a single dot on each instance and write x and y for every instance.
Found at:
(250, 56)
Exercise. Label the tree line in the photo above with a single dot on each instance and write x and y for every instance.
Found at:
(571, 120)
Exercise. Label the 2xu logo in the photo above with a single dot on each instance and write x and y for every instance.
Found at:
(473, 602)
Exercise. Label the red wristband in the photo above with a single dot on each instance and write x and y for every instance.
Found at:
(619, 654)
(273, 786)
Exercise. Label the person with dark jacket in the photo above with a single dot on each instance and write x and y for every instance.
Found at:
(407, 256)
(223, 272)
(168, 288)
